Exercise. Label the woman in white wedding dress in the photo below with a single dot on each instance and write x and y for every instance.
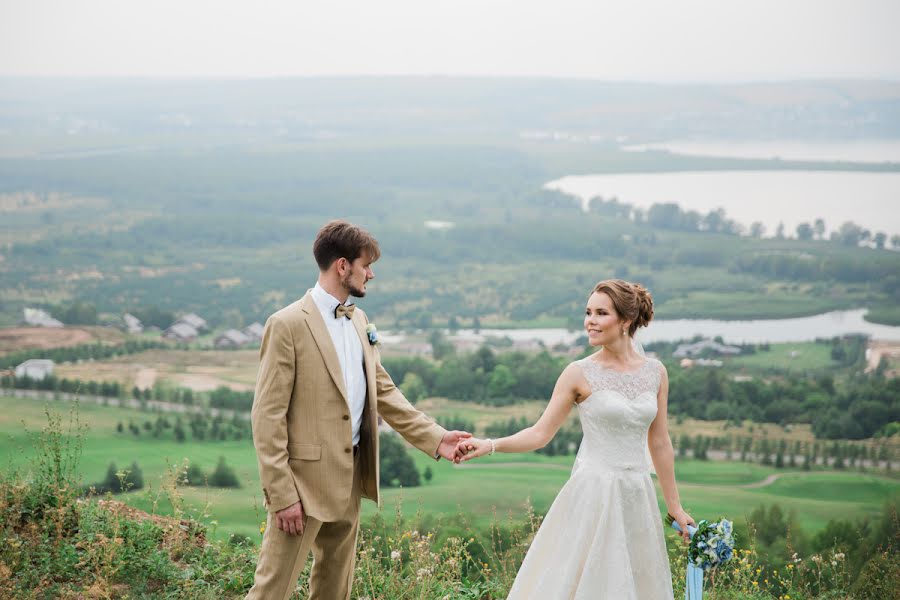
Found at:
(603, 538)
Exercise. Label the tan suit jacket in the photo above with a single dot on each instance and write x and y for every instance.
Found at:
(301, 420)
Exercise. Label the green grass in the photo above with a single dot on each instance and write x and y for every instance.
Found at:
(799, 357)
(885, 315)
(491, 486)
(772, 304)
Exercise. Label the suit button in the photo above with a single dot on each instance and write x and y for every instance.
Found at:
(346, 417)
(347, 450)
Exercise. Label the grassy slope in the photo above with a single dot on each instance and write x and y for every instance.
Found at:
(479, 492)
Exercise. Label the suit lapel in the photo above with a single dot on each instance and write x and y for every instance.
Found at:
(368, 359)
(323, 341)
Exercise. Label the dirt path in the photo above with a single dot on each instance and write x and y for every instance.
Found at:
(145, 378)
(890, 351)
(765, 482)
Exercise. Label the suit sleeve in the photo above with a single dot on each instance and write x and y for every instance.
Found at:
(274, 388)
(416, 427)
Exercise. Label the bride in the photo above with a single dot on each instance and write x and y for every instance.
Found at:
(603, 536)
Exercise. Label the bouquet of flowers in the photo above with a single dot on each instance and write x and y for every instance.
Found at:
(712, 544)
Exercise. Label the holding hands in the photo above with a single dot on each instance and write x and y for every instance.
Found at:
(473, 448)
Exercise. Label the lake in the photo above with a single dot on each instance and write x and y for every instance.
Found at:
(771, 197)
(757, 331)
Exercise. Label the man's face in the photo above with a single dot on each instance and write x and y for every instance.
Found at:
(358, 273)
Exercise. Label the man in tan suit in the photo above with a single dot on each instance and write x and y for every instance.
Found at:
(319, 391)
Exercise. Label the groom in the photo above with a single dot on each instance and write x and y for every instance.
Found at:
(319, 392)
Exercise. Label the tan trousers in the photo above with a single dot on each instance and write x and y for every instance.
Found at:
(333, 544)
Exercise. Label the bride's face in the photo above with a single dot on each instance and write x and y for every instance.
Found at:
(601, 321)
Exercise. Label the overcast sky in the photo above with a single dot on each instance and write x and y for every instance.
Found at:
(669, 40)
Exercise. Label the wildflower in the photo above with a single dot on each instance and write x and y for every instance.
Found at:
(816, 559)
(262, 527)
(755, 582)
(395, 555)
(790, 566)
(839, 556)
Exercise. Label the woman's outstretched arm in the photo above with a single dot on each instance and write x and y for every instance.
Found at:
(566, 393)
(663, 456)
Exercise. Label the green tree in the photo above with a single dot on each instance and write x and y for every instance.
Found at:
(224, 476)
(397, 467)
(757, 229)
(805, 231)
(194, 475)
(413, 387)
(440, 347)
(819, 228)
(501, 383)
(428, 474)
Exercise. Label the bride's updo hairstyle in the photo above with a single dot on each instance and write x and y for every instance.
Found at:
(632, 301)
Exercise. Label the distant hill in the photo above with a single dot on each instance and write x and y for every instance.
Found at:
(205, 196)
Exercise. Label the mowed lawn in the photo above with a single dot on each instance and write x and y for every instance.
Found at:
(797, 357)
(492, 488)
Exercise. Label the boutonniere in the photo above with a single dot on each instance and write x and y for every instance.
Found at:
(372, 332)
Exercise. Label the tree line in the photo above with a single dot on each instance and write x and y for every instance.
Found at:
(96, 351)
(857, 408)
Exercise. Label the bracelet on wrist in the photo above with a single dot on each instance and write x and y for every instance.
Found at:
(493, 446)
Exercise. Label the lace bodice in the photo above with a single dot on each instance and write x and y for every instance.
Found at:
(616, 416)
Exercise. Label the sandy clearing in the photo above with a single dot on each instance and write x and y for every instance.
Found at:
(14, 339)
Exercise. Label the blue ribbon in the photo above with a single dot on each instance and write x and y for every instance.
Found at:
(694, 579)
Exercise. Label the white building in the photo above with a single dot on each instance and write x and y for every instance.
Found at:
(132, 323)
(193, 320)
(181, 332)
(39, 318)
(697, 348)
(254, 332)
(232, 339)
(35, 368)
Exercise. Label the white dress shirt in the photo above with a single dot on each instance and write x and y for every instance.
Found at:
(350, 354)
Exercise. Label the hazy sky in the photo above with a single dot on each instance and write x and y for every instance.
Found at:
(669, 40)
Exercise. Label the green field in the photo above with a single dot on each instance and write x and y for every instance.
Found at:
(798, 357)
(495, 487)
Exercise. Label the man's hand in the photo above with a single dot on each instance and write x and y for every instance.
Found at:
(291, 519)
(447, 449)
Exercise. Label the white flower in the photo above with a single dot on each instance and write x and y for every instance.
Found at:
(395, 555)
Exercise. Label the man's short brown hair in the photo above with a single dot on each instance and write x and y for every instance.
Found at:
(340, 239)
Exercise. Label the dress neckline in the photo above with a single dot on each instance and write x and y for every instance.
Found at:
(600, 365)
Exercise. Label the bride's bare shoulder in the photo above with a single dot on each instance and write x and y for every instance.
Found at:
(573, 378)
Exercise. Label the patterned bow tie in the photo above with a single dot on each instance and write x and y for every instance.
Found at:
(344, 310)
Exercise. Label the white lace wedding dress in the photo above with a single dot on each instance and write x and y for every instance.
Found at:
(602, 538)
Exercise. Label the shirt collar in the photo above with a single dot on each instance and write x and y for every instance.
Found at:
(324, 301)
